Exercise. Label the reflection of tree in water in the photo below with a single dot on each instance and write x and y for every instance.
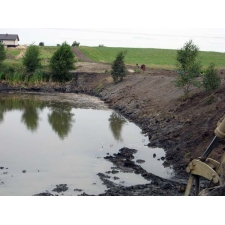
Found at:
(30, 117)
(29, 106)
(61, 120)
(116, 124)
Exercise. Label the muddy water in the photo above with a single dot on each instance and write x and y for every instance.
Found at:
(47, 140)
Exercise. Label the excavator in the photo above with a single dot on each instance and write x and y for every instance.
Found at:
(207, 168)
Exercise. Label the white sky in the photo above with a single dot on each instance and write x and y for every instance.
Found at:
(118, 23)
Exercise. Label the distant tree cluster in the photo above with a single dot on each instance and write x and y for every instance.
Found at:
(41, 44)
(60, 63)
(75, 44)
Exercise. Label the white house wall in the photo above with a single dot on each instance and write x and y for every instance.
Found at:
(10, 42)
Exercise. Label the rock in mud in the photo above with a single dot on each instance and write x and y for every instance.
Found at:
(140, 161)
(61, 188)
(45, 194)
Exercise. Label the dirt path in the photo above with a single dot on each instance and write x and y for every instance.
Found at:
(80, 55)
(23, 51)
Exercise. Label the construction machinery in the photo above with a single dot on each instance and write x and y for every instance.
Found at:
(208, 168)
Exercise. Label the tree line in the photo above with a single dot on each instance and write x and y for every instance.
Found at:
(61, 62)
(188, 66)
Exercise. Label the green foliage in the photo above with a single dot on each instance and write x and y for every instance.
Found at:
(37, 77)
(61, 62)
(211, 79)
(118, 67)
(188, 66)
(2, 53)
(31, 59)
(41, 44)
(76, 44)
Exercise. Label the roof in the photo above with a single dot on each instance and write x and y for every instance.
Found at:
(9, 37)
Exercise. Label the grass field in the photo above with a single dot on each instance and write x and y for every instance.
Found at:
(153, 58)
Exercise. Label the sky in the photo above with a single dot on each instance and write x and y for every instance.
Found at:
(127, 23)
(207, 39)
(117, 23)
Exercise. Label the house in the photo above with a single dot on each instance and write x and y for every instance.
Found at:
(9, 40)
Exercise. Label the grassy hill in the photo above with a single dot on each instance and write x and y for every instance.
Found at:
(153, 58)
(13, 53)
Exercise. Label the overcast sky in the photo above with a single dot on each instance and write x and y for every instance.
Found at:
(207, 39)
(117, 23)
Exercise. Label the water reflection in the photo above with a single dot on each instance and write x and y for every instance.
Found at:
(30, 117)
(116, 124)
(29, 107)
(61, 120)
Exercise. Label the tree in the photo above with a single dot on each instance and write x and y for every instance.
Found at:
(76, 44)
(211, 79)
(188, 66)
(118, 67)
(41, 44)
(31, 59)
(62, 62)
(2, 53)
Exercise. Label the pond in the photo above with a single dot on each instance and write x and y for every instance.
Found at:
(52, 139)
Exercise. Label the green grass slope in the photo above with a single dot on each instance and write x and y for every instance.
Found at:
(153, 58)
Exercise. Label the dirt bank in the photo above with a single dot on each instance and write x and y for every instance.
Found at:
(183, 128)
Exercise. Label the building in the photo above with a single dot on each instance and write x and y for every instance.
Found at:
(9, 40)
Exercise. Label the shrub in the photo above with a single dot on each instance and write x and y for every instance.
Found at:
(211, 79)
(2, 53)
(41, 44)
(119, 71)
(31, 59)
(61, 62)
(188, 66)
(76, 44)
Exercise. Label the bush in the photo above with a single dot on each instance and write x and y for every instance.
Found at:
(61, 62)
(118, 68)
(211, 79)
(41, 44)
(76, 44)
(31, 59)
(188, 66)
(2, 53)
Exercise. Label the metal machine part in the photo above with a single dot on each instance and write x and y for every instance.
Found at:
(207, 167)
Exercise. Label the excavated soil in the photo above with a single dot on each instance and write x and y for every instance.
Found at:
(184, 128)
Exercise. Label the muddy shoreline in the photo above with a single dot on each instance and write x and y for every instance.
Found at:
(167, 122)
